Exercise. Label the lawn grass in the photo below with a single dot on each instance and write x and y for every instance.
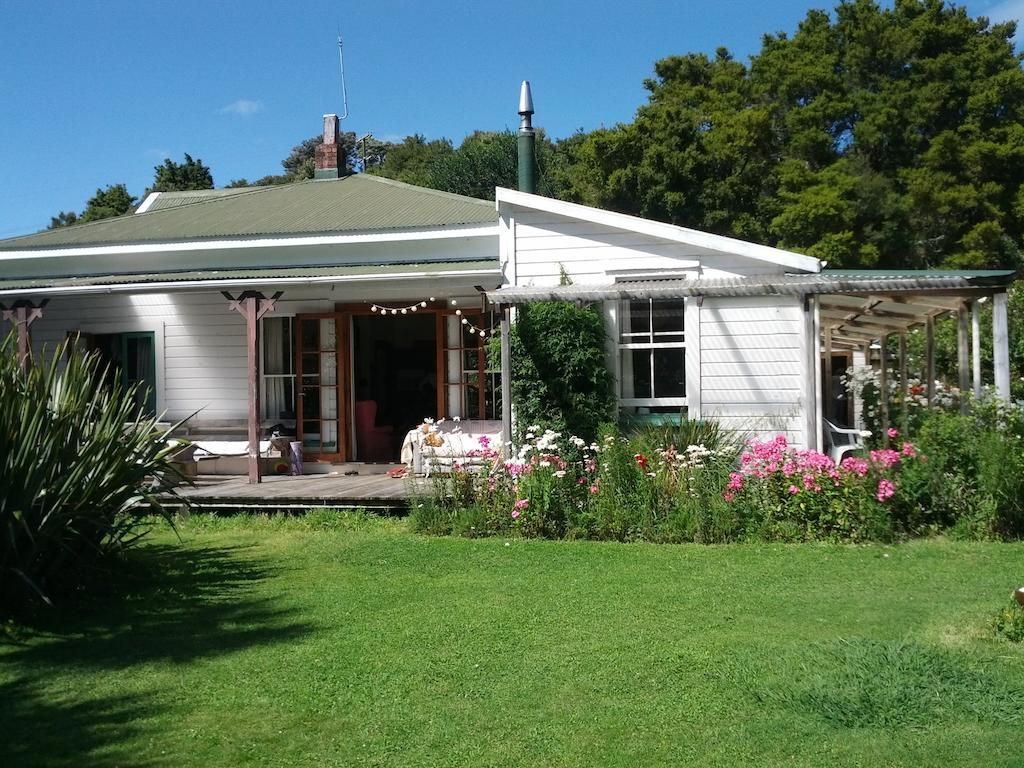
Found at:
(334, 641)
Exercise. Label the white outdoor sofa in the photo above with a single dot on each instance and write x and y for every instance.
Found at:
(459, 439)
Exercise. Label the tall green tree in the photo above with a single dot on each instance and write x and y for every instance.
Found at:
(63, 219)
(114, 200)
(871, 137)
(484, 160)
(178, 177)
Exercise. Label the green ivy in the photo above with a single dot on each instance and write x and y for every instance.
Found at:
(559, 375)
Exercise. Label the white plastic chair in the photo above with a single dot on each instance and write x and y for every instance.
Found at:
(842, 441)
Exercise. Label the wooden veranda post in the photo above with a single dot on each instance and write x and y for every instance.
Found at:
(883, 385)
(963, 355)
(904, 386)
(827, 376)
(506, 382)
(253, 305)
(23, 313)
(976, 347)
(1001, 345)
(929, 356)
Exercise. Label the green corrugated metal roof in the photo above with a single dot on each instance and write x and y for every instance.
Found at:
(256, 273)
(970, 274)
(357, 203)
(166, 200)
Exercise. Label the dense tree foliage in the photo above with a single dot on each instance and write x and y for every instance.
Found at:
(112, 201)
(874, 137)
(63, 219)
(412, 159)
(484, 160)
(178, 177)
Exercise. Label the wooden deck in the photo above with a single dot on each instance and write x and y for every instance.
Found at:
(370, 490)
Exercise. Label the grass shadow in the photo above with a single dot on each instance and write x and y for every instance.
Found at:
(161, 604)
(38, 730)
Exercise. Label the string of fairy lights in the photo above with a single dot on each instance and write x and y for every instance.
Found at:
(385, 310)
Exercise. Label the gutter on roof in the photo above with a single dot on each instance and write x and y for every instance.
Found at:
(140, 287)
(254, 241)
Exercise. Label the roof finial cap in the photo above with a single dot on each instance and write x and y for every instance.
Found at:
(525, 99)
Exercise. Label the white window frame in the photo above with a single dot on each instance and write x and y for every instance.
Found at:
(679, 342)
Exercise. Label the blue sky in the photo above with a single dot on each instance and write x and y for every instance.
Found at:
(98, 92)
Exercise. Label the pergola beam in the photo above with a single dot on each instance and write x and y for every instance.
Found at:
(899, 322)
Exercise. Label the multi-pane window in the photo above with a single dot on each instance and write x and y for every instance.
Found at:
(278, 380)
(652, 355)
(472, 389)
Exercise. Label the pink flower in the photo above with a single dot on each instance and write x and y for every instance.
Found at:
(728, 495)
(892, 432)
(885, 490)
(794, 490)
(885, 457)
(855, 465)
(515, 514)
(909, 449)
(522, 504)
(735, 481)
(594, 488)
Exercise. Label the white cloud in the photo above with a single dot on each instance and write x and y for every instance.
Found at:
(242, 107)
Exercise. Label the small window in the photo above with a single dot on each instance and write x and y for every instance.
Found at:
(652, 355)
(132, 356)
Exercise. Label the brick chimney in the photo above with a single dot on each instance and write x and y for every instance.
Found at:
(327, 163)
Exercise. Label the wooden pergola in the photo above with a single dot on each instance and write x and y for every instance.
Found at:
(849, 310)
(868, 321)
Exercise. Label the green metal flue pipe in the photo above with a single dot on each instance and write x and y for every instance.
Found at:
(527, 141)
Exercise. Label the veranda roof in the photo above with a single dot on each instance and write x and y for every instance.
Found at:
(832, 281)
(857, 305)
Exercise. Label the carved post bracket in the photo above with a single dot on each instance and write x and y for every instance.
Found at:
(22, 314)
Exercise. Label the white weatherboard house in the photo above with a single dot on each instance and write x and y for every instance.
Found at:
(351, 307)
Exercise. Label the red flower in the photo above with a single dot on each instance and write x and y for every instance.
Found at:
(641, 461)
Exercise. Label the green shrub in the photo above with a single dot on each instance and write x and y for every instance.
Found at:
(559, 374)
(1009, 622)
(79, 469)
(973, 480)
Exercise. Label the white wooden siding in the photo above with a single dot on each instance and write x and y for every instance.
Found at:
(200, 345)
(201, 362)
(589, 252)
(751, 365)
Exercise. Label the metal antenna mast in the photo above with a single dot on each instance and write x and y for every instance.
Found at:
(341, 64)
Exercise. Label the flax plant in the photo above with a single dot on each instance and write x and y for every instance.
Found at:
(80, 469)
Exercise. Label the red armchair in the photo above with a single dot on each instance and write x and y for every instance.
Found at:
(373, 443)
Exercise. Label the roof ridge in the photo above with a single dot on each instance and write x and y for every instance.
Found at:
(428, 190)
